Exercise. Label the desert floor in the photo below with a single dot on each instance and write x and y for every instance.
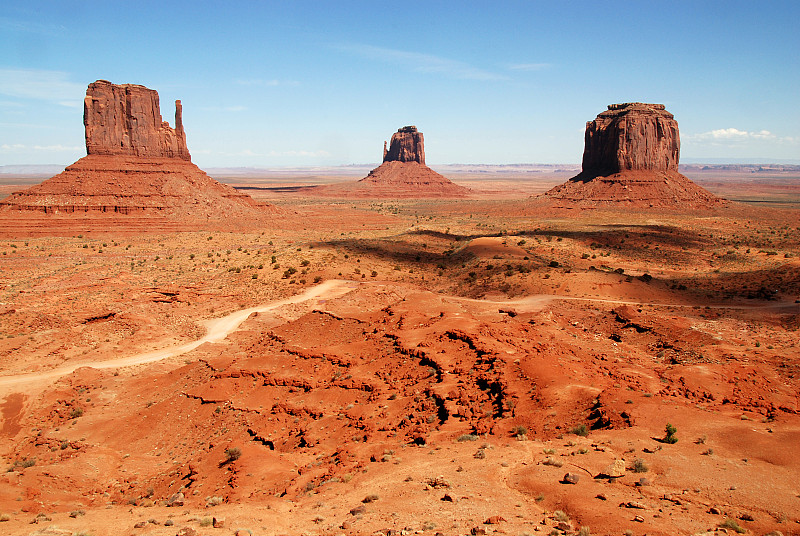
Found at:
(485, 365)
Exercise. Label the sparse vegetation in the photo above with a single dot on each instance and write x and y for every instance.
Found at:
(639, 466)
(733, 525)
(580, 430)
(232, 454)
(670, 434)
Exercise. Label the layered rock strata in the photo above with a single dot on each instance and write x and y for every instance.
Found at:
(125, 120)
(135, 164)
(407, 145)
(631, 155)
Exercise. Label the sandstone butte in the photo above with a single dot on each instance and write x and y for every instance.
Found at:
(136, 166)
(630, 157)
(403, 174)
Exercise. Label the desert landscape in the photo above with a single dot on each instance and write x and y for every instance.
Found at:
(605, 348)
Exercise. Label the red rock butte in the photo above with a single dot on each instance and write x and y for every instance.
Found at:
(403, 172)
(137, 167)
(631, 156)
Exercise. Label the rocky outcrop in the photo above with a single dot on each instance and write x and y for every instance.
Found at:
(125, 120)
(137, 166)
(631, 136)
(631, 156)
(407, 145)
(403, 174)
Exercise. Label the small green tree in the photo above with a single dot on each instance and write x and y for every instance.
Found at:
(670, 436)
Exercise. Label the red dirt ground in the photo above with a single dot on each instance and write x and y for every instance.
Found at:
(433, 384)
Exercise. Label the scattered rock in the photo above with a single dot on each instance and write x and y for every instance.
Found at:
(639, 519)
(746, 516)
(571, 478)
(177, 499)
(187, 531)
(478, 531)
(448, 498)
(494, 520)
(616, 469)
(564, 526)
(218, 522)
(438, 482)
(643, 482)
(714, 510)
(634, 504)
(601, 496)
(358, 510)
(169, 523)
(140, 525)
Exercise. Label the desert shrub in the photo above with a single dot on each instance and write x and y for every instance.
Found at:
(5, 517)
(232, 454)
(519, 431)
(733, 525)
(555, 462)
(549, 451)
(639, 466)
(670, 436)
(467, 437)
(560, 515)
(584, 531)
(206, 522)
(480, 454)
(580, 430)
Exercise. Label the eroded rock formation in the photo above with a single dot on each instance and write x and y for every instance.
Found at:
(631, 156)
(136, 165)
(407, 145)
(125, 120)
(403, 173)
(631, 136)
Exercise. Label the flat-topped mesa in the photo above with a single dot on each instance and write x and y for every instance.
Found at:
(631, 136)
(407, 145)
(125, 120)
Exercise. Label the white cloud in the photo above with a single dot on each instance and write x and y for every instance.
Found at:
(529, 66)
(53, 86)
(423, 63)
(731, 134)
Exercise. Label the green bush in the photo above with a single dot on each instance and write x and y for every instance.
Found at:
(670, 436)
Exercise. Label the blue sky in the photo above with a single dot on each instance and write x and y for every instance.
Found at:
(325, 83)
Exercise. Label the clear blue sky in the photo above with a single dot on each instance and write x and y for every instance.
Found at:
(294, 83)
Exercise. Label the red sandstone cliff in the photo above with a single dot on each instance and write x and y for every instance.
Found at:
(136, 164)
(125, 120)
(403, 172)
(631, 136)
(407, 145)
(630, 156)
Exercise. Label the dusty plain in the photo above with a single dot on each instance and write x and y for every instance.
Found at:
(408, 366)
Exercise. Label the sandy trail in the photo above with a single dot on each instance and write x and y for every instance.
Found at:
(218, 329)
